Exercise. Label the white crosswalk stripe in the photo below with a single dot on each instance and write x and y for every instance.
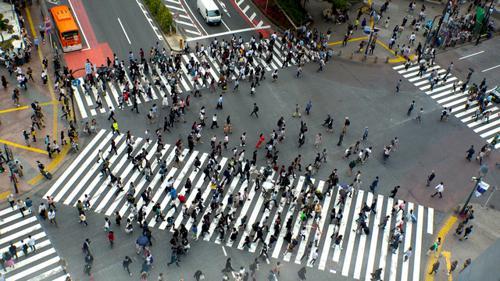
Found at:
(448, 94)
(40, 263)
(357, 256)
(87, 101)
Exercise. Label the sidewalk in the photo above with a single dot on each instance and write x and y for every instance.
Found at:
(15, 119)
(486, 231)
(396, 11)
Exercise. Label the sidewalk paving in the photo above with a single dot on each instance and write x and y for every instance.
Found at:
(16, 119)
(396, 11)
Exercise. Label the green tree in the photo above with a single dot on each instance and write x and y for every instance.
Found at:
(339, 4)
(5, 26)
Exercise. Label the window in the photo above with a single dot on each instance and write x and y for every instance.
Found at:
(214, 13)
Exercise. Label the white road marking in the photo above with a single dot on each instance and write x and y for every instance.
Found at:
(228, 32)
(123, 28)
(224, 250)
(471, 55)
(246, 9)
(488, 69)
(81, 29)
(252, 16)
(430, 220)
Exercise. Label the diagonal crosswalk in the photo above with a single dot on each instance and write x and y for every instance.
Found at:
(445, 95)
(356, 256)
(87, 100)
(40, 263)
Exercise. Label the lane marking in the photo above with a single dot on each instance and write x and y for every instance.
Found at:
(78, 21)
(193, 17)
(29, 148)
(430, 220)
(24, 107)
(471, 55)
(227, 33)
(488, 69)
(246, 9)
(224, 250)
(224, 23)
(125, 32)
(443, 232)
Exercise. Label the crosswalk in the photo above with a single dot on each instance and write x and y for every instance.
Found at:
(86, 101)
(357, 256)
(39, 264)
(444, 95)
(182, 18)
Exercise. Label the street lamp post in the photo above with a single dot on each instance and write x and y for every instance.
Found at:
(483, 170)
(429, 34)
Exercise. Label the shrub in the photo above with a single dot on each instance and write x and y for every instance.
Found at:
(161, 15)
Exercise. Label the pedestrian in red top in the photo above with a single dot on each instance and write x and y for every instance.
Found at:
(261, 140)
(111, 238)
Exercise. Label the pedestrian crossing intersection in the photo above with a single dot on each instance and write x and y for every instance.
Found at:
(486, 126)
(35, 264)
(357, 255)
(87, 100)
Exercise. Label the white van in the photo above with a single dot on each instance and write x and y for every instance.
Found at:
(209, 11)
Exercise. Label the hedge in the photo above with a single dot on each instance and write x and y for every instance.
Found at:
(161, 14)
(294, 10)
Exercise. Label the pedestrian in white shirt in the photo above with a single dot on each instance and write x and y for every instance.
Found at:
(439, 190)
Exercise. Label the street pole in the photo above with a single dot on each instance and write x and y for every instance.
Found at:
(267, 2)
(369, 40)
(429, 35)
(477, 181)
(10, 160)
(445, 10)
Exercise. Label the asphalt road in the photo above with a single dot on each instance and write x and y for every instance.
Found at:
(363, 92)
(483, 59)
(133, 33)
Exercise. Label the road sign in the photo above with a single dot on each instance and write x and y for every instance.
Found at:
(88, 68)
(76, 82)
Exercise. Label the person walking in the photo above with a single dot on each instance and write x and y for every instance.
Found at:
(467, 232)
(398, 85)
(466, 264)
(214, 122)
(453, 266)
(430, 177)
(126, 264)
(111, 238)
(198, 275)
(255, 110)
(410, 109)
(302, 274)
(435, 268)
(394, 191)
(374, 184)
(439, 190)
(228, 268)
(470, 153)
(435, 246)
(52, 216)
(407, 254)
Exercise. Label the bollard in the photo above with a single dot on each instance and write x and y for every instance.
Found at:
(340, 53)
(375, 60)
(352, 55)
(364, 57)
(387, 60)
(181, 44)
